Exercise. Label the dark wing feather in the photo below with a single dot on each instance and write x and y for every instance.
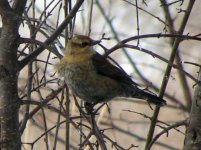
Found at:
(105, 68)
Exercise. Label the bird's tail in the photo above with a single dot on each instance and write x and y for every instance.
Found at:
(150, 97)
(142, 94)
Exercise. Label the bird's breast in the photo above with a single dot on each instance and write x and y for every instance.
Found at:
(86, 83)
(79, 77)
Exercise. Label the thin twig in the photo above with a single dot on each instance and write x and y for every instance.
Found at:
(177, 124)
(73, 12)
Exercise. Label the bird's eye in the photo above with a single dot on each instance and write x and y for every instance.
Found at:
(84, 44)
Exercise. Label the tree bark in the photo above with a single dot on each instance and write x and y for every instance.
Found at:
(193, 133)
(9, 102)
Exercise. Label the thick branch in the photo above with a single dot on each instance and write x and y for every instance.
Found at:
(193, 132)
(4, 9)
(9, 103)
(19, 6)
(4, 5)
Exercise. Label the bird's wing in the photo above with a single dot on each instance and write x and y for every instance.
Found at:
(105, 68)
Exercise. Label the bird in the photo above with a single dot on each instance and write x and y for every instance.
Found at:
(94, 79)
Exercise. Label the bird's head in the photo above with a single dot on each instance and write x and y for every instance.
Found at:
(80, 44)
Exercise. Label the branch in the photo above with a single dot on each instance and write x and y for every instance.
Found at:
(57, 32)
(177, 124)
(42, 44)
(193, 132)
(168, 70)
(19, 6)
(156, 35)
(135, 136)
(182, 77)
(4, 9)
(120, 45)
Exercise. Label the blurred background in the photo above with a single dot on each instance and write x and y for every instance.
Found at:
(125, 122)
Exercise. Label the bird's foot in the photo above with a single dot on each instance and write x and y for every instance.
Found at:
(89, 108)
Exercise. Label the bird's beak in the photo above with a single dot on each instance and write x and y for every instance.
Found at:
(94, 42)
